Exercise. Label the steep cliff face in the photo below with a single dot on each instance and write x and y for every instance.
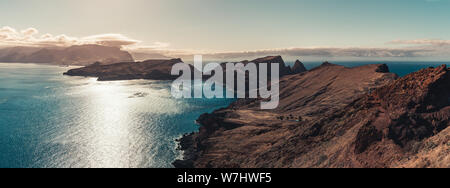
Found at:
(333, 116)
(418, 105)
(74, 55)
(284, 70)
(269, 60)
(410, 114)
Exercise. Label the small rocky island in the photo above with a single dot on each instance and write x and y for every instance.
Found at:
(150, 69)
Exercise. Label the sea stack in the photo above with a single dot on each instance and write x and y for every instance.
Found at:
(298, 67)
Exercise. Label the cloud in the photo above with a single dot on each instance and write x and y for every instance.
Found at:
(328, 53)
(416, 48)
(429, 47)
(29, 37)
(319, 53)
(436, 42)
(322, 52)
(154, 46)
(110, 40)
(29, 32)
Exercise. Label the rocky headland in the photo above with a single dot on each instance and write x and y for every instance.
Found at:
(332, 116)
(269, 60)
(160, 69)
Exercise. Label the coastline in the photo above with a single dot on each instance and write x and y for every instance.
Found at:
(226, 136)
(225, 119)
(187, 143)
(348, 136)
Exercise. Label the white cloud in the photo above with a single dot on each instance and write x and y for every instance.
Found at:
(322, 52)
(29, 32)
(110, 40)
(29, 37)
(294, 53)
(436, 42)
(154, 46)
(7, 30)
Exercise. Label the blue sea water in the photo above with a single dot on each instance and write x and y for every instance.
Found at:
(51, 120)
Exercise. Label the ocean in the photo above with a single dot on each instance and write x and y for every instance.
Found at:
(51, 120)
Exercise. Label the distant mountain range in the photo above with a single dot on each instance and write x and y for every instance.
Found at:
(73, 55)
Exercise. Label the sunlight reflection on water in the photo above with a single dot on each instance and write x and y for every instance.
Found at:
(52, 120)
(111, 125)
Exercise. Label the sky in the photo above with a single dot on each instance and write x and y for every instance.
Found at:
(413, 29)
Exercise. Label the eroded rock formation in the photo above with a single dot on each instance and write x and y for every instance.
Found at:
(298, 68)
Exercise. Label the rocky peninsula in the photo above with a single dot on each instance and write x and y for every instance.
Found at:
(160, 69)
(332, 116)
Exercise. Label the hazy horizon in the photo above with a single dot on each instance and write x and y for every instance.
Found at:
(402, 30)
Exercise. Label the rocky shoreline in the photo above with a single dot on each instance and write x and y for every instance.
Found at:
(350, 117)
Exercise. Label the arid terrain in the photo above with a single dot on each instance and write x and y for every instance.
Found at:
(332, 116)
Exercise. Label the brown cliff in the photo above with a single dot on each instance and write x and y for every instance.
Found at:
(284, 70)
(333, 116)
(269, 60)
